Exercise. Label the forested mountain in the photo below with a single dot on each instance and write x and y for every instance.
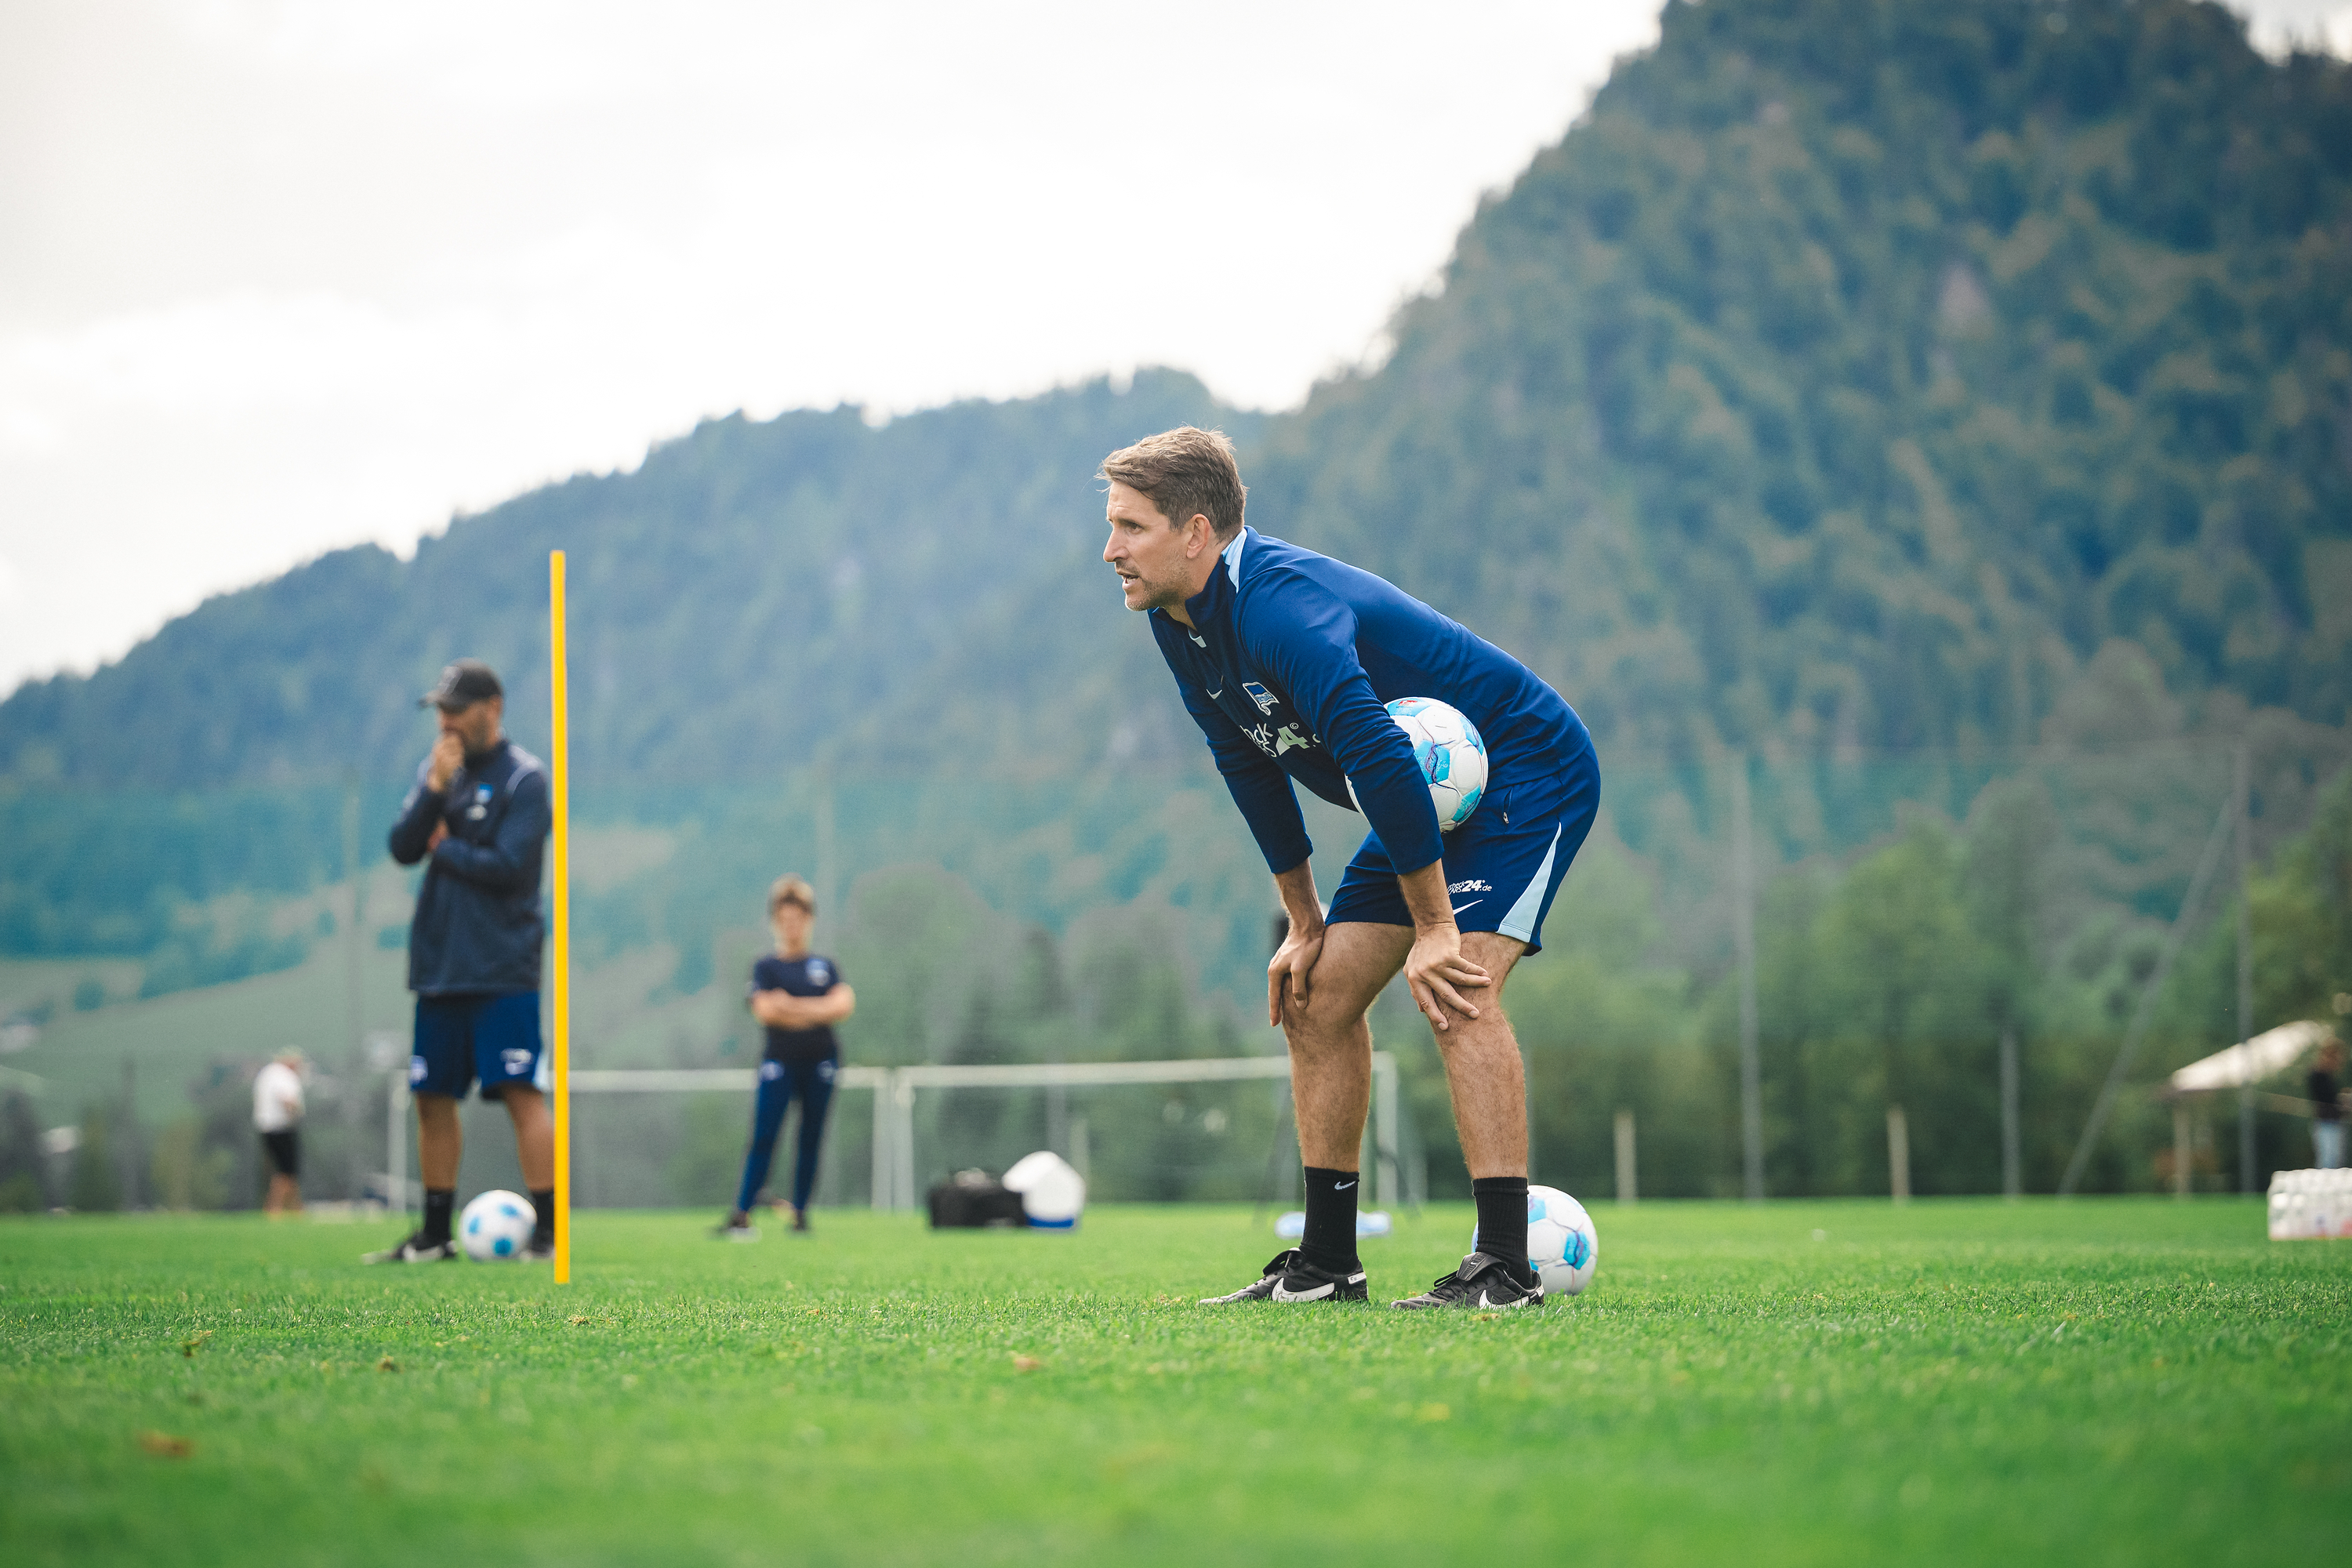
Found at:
(749, 593)
(1856, 369)
(1847, 377)
(1871, 388)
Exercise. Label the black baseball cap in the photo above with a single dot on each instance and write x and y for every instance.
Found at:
(462, 685)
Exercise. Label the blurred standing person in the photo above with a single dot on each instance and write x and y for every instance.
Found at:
(278, 1117)
(800, 996)
(2325, 1087)
(478, 819)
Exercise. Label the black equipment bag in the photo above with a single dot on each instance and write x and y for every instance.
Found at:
(974, 1199)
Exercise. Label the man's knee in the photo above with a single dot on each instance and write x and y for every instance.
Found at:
(1327, 1017)
(435, 1109)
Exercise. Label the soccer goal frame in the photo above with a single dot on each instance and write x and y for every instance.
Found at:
(893, 1090)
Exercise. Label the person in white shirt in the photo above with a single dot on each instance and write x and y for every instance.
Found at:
(277, 1116)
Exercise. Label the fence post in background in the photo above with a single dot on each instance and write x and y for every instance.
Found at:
(902, 1139)
(1626, 1191)
(2239, 792)
(884, 1163)
(1899, 1154)
(1743, 943)
(395, 1144)
(2013, 1176)
(354, 956)
(2182, 1148)
(126, 1137)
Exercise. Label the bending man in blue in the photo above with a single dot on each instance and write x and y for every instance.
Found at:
(1287, 658)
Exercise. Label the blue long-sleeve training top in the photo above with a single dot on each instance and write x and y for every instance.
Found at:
(1287, 667)
(478, 927)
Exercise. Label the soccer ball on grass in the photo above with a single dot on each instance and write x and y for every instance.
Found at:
(1562, 1242)
(1449, 752)
(496, 1227)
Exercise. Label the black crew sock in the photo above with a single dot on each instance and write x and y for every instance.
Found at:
(1503, 1218)
(439, 1204)
(1330, 1242)
(542, 1204)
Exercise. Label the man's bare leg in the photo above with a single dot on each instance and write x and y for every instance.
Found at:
(439, 1142)
(1484, 1070)
(535, 1135)
(1331, 1042)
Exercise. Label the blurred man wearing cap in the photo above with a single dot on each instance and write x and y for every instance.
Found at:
(478, 819)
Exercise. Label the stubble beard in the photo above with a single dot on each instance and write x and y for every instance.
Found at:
(1156, 595)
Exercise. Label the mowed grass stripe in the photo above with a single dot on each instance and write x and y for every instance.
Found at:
(2087, 1383)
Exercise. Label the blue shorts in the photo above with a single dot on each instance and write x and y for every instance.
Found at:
(1502, 866)
(493, 1038)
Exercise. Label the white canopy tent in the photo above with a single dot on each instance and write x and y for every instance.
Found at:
(2235, 1067)
(2240, 1067)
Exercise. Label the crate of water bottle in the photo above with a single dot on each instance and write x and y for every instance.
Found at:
(2306, 1204)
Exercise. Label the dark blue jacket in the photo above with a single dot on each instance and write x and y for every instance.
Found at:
(478, 927)
(1287, 666)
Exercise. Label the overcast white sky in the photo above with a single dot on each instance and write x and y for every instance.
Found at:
(280, 275)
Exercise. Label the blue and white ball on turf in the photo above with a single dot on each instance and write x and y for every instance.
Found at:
(1562, 1242)
(496, 1227)
(1451, 755)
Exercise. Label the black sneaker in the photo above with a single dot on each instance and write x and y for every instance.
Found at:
(541, 1250)
(416, 1249)
(736, 1226)
(1483, 1282)
(1290, 1278)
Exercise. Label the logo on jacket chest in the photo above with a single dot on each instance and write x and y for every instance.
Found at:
(1272, 738)
(481, 806)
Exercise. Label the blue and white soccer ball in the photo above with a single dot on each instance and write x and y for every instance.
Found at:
(1449, 752)
(495, 1227)
(1562, 1242)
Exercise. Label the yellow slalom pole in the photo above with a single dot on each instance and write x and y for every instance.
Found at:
(559, 780)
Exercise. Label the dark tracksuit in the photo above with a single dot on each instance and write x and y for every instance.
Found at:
(473, 944)
(797, 1062)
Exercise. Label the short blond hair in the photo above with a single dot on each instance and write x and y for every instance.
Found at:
(790, 888)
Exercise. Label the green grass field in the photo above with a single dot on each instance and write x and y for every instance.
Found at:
(2103, 1382)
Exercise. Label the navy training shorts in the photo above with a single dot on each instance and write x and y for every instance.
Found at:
(1502, 866)
(493, 1038)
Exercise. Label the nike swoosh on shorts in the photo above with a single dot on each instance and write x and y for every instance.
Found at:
(1473, 903)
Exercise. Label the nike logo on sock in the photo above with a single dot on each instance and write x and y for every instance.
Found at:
(1341, 1187)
